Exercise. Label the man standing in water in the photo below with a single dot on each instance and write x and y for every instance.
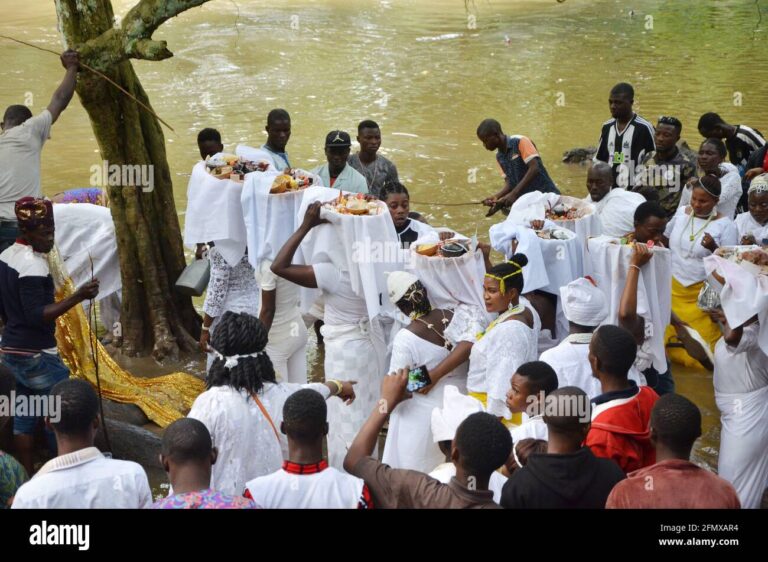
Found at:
(520, 163)
(666, 169)
(278, 132)
(336, 173)
(377, 170)
(21, 143)
(625, 138)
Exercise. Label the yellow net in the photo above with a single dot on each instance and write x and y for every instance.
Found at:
(163, 399)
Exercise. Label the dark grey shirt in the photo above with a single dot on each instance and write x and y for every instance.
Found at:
(378, 173)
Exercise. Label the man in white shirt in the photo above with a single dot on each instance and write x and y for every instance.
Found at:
(21, 143)
(81, 477)
(615, 206)
(306, 481)
(336, 173)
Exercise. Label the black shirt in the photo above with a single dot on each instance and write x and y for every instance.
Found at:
(741, 145)
(577, 480)
(627, 148)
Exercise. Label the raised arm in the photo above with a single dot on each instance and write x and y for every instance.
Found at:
(303, 275)
(628, 317)
(63, 94)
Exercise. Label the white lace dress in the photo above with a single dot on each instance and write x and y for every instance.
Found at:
(409, 442)
(230, 289)
(247, 444)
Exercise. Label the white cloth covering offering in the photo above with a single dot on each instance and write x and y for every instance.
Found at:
(610, 262)
(744, 294)
(366, 247)
(741, 393)
(215, 214)
(270, 219)
(85, 232)
(617, 211)
(534, 206)
(551, 263)
(451, 281)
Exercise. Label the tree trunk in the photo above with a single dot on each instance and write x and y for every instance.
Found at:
(154, 316)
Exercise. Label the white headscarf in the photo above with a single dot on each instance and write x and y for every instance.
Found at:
(583, 303)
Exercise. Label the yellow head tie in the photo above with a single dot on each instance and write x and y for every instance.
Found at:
(502, 284)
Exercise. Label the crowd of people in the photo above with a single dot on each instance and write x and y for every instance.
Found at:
(534, 382)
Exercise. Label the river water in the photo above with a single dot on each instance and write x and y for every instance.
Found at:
(428, 71)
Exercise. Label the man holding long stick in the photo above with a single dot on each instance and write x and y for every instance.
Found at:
(21, 143)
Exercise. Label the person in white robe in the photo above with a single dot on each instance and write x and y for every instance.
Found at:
(444, 421)
(426, 341)
(741, 394)
(586, 308)
(243, 404)
(615, 206)
(349, 343)
(753, 224)
(711, 160)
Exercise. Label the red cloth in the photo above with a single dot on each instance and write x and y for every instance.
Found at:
(765, 162)
(673, 484)
(621, 430)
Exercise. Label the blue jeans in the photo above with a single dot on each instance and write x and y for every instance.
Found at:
(35, 375)
(9, 232)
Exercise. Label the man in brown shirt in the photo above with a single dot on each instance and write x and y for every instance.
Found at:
(482, 444)
(673, 482)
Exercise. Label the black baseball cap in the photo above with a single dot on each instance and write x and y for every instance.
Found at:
(339, 139)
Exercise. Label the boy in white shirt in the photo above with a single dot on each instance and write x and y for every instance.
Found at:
(306, 481)
(81, 477)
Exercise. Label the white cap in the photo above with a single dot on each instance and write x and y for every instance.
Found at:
(456, 408)
(398, 283)
(583, 303)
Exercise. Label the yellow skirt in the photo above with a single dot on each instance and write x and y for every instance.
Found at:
(684, 305)
(516, 420)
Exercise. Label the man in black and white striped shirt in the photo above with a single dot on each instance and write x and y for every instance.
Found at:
(740, 140)
(626, 138)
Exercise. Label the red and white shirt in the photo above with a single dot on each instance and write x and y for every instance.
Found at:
(309, 486)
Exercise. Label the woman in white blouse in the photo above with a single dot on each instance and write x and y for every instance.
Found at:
(243, 404)
(712, 153)
(693, 233)
(428, 340)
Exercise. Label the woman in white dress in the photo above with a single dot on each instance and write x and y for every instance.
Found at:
(425, 341)
(753, 224)
(712, 153)
(741, 393)
(243, 404)
(508, 342)
(349, 344)
(693, 233)
(230, 289)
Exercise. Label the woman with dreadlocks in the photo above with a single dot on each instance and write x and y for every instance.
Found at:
(243, 404)
(428, 340)
(508, 342)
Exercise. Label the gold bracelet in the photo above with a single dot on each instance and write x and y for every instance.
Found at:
(339, 386)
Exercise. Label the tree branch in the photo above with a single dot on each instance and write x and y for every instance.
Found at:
(133, 39)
